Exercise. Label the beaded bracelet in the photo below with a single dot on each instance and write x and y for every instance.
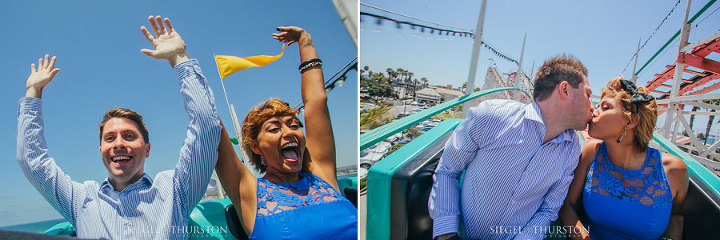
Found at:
(316, 62)
(305, 65)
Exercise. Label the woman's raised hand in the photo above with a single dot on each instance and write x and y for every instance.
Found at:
(290, 34)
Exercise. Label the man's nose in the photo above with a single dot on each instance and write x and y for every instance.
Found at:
(119, 143)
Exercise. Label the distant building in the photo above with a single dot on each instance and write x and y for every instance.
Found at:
(448, 94)
(428, 95)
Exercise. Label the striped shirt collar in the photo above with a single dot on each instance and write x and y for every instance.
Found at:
(532, 112)
(144, 182)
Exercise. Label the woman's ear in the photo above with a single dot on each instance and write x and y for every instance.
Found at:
(634, 120)
(255, 147)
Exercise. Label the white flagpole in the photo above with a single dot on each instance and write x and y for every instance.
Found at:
(223, 87)
(235, 123)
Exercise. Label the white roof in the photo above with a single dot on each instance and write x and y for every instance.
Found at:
(449, 91)
(428, 92)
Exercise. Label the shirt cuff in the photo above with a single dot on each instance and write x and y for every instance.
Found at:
(30, 103)
(444, 225)
(187, 68)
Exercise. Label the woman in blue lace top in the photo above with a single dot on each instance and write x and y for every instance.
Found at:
(627, 189)
(298, 198)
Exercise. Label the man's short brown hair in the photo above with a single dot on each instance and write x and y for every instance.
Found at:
(554, 71)
(129, 114)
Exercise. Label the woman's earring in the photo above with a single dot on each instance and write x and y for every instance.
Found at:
(621, 136)
(262, 161)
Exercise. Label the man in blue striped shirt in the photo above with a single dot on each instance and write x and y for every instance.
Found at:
(518, 160)
(128, 204)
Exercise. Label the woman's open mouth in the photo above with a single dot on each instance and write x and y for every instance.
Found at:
(290, 152)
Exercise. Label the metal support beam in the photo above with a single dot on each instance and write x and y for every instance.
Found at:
(470, 86)
(711, 88)
(518, 75)
(701, 42)
(637, 53)
(710, 150)
(675, 130)
(689, 98)
(699, 62)
(703, 114)
(699, 147)
(702, 105)
(679, 67)
(660, 92)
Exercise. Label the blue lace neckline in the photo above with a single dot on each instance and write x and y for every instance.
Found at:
(302, 183)
(651, 154)
(647, 185)
(274, 198)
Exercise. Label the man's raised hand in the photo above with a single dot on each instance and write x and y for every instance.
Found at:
(168, 43)
(41, 76)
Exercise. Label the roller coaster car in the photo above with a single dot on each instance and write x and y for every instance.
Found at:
(219, 214)
(412, 182)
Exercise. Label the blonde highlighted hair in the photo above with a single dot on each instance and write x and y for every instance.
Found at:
(643, 114)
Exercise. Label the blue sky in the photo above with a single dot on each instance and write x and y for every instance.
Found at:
(602, 34)
(98, 47)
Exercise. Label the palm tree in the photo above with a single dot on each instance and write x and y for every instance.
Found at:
(711, 117)
(365, 69)
(692, 117)
(416, 82)
(401, 79)
(408, 81)
(400, 75)
(391, 74)
(380, 78)
(425, 81)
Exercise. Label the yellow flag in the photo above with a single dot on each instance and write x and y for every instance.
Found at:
(231, 64)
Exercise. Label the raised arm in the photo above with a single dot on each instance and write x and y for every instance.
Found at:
(32, 153)
(198, 154)
(238, 182)
(318, 129)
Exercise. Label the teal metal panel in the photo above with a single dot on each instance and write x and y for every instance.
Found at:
(694, 167)
(378, 134)
(347, 181)
(210, 216)
(380, 176)
(62, 229)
